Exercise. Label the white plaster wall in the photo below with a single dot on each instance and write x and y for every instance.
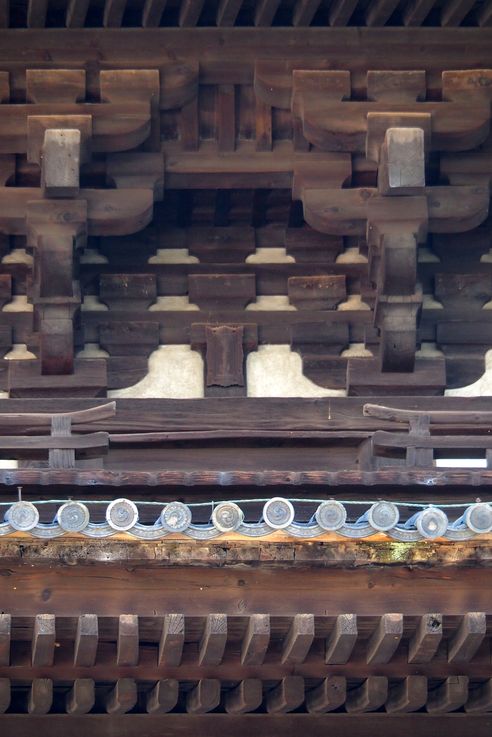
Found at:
(480, 388)
(92, 303)
(270, 256)
(19, 352)
(173, 256)
(181, 304)
(272, 302)
(18, 256)
(353, 302)
(351, 256)
(18, 303)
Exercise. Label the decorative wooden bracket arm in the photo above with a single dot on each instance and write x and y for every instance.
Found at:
(225, 349)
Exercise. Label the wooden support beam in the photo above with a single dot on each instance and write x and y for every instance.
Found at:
(213, 642)
(163, 697)
(86, 641)
(36, 13)
(468, 638)
(329, 695)
(60, 163)
(4, 13)
(172, 640)
(304, 12)
(81, 697)
(455, 11)
(4, 694)
(204, 697)
(385, 639)
(128, 644)
(408, 695)
(256, 640)
(246, 697)
(424, 643)
(449, 696)
(287, 696)
(380, 11)
(484, 15)
(122, 698)
(265, 12)
(227, 12)
(299, 640)
(226, 117)
(341, 12)
(340, 643)
(369, 696)
(113, 13)
(152, 13)
(190, 13)
(480, 699)
(40, 696)
(43, 640)
(76, 13)
(5, 633)
(416, 12)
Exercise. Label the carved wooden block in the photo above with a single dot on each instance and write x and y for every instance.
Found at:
(127, 291)
(60, 163)
(316, 292)
(402, 162)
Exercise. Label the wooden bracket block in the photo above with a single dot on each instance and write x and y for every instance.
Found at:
(378, 124)
(89, 379)
(466, 641)
(222, 291)
(128, 338)
(179, 84)
(60, 163)
(221, 245)
(317, 292)
(326, 171)
(55, 85)
(396, 86)
(385, 639)
(424, 643)
(401, 168)
(369, 696)
(127, 292)
(365, 378)
(307, 245)
(299, 639)
(134, 85)
(396, 318)
(43, 640)
(128, 642)
(463, 291)
(40, 697)
(39, 125)
(449, 696)
(467, 85)
(409, 695)
(139, 170)
(86, 640)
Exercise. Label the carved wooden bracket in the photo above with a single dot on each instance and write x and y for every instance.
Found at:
(225, 349)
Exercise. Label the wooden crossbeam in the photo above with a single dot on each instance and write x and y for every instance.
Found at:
(299, 639)
(163, 697)
(172, 640)
(86, 640)
(256, 640)
(43, 419)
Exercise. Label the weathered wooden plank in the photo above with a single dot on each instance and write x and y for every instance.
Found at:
(81, 697)
(172, 640)
(86, 640)
(385, 639)
(43, 419)
(214, 639)
(122, 697)
(204, 697)
(329, 695)
(426, 639)
(369, 696)
(287, 696)
(407, 696)
(128, 640)
(256, 640)
(43, 640)
(298, 640)
(340, 643)
(163, 697)
(246, 697)
(449, 696)
(468, 637)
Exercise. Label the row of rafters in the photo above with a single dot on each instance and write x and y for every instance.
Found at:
(225, 13)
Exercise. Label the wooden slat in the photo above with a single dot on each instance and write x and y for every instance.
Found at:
(424, 643)
(227, 12)
(341, 11)
(265, 12)
(449, 696)
(40, 697)
(81, 697)
(43, 419)
(113, 13)
(122, 697)
(190, 13)
(76, 13)
(480, 699)
(86, 640)
(455, 11)
(204, 697)
(408, 695)
(416, 12)
(340, 643)
(128, 643)
(329, 695)
(438, 417)
(4, 694)
(43, 640)
(385, 639)
(299, 639)
(245, 697)
(36, 13)
(163, 697)
(484, 15)
(5, 633)
(287, 696)
(369, 696)
(304, 12)
(213, 642)
(152, 13)
(380, 11)
(172, 640)
(468, 638)
(256, 640)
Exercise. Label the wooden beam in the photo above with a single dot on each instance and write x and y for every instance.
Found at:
(190, 12)
(340, 643)
(385, 639)
(287, 696)
(43, 640)
(5, 633)
(172, 640)
(226, 117)
(256, 640)
(76, 13)
(416, 12)
(480, 699)
(4, 694)
(4, 13)
(128, 643)
(204, 697)
(36, 13)
(81, 697)
(329, 695)
(122, 697)
(227, 12)
(40, 697)
(468, 638)
(113, 13)
(455, 11)
(213, 642)
(407, 696)
(299, 639)
(304, 12)
(380, 11)
(424, 643)
(152, 13)
(163, 697)
(265, 12)
(484, 15)
(246, 697)
(369, 696)
(449, 696)
(86, 641)
(341, 12)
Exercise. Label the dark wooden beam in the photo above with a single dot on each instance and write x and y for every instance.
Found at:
(304, 12)
(36, 13)
(265, 12)
(227, 12)
(113, 13)
(76, 13)
(152, 13)
(190, 13)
